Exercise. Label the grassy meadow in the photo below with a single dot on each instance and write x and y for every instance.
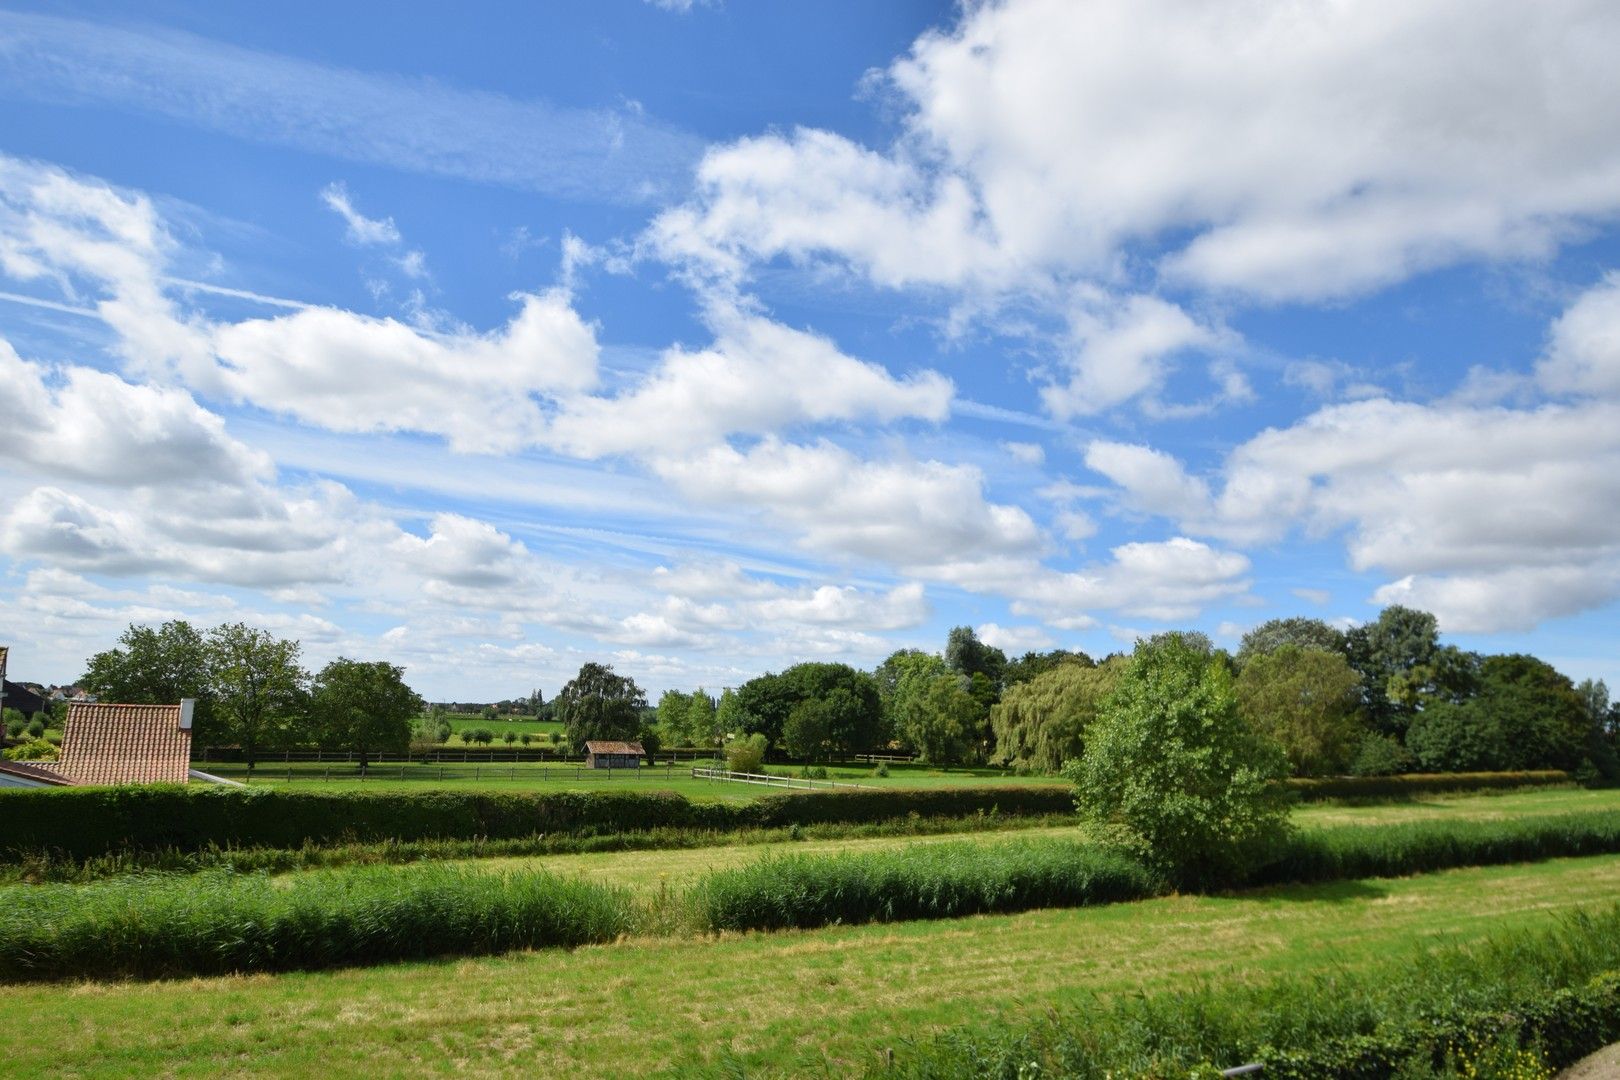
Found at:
(652, 998)
(778, 1001)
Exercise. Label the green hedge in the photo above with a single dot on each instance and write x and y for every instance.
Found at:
(1411, 784)
(85, 822)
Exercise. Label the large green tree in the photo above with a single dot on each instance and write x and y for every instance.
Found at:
(1173, 772)
(942, 720)
(364, 706)
(599, 704)
(153, 666)
(1524, 715)
(1300, 632)
(854, 707)
(260, 691)
(1309, 701)
(1388, 650)
(1032, 664)
(1041, 723)
(967, 655)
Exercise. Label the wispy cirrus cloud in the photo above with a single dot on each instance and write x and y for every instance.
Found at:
(413, 124)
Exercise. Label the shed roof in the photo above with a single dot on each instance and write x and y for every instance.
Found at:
(602, 747)
(30, 770)
(124, 744)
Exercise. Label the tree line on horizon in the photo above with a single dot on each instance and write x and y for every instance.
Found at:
(1384, 697)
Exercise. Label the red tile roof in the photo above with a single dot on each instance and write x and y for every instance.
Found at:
(599, 747)
(123, 744)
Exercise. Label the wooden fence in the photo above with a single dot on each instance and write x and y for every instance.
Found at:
(768, 779)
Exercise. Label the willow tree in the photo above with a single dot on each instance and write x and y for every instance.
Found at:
(1042, 723)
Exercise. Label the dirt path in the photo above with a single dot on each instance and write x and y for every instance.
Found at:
(1603, 1065)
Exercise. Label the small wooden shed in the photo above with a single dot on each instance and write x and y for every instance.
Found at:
(613, 755)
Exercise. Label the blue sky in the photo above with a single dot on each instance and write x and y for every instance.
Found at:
(705, 338)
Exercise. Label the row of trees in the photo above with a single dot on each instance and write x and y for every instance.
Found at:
(253, 692)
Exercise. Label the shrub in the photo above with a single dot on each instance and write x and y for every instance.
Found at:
(216, 923)
(32, 750)
(35, 729)
(746, 754)
(525, 738)
(1380, 755)
(509, 738)
(882, 770)
(1172, 772)
(933, 881)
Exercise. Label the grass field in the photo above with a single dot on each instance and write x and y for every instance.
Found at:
(778, 1000)
(529, 775)
(517, 725)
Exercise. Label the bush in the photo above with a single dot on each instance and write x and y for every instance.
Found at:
(85, 822)
(1173, 773)
(746, 754)
(32, 750)
(882, 770)
(482, 736)
(1380, 755)
(933, 881)
(217, 923)
(35, 729)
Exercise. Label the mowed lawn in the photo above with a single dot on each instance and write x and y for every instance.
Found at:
(779, 1001)
(550, 776)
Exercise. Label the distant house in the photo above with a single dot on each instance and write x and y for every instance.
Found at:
(613, 755)
(24, 700)
(116, 744)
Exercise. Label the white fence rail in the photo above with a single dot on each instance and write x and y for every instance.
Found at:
(769, 779)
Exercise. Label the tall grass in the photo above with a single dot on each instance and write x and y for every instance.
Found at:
(1358, 851)
(946, 880)
(1553, 988)
(218, 922)
(937, 881)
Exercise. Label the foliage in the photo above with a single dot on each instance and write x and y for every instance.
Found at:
(942, 719)
(216, 923)
(746, 753)
(933, 881)
(1307, 700)
(808, 731)
(1172, 771)
(365, 707)
(1299, 632)
(35, 729)
(1033, 664)
(255, 683)
(1380, 755)
(153, 667)
(1041, 723)
(35, 749)
(853, 707)
(1389, 647)
(900, 677)
(598, 704)
(1524, 715)
(88, 822)
(728, 714)
(967, 655)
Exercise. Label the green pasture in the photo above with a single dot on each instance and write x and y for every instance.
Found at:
(521, 775)
(517, 725)
(780, 1002)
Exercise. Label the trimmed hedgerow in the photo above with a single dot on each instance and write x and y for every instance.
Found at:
(1556, 990)
(932, 881)
(1412, 784)
(86, 822)
(216, 922)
